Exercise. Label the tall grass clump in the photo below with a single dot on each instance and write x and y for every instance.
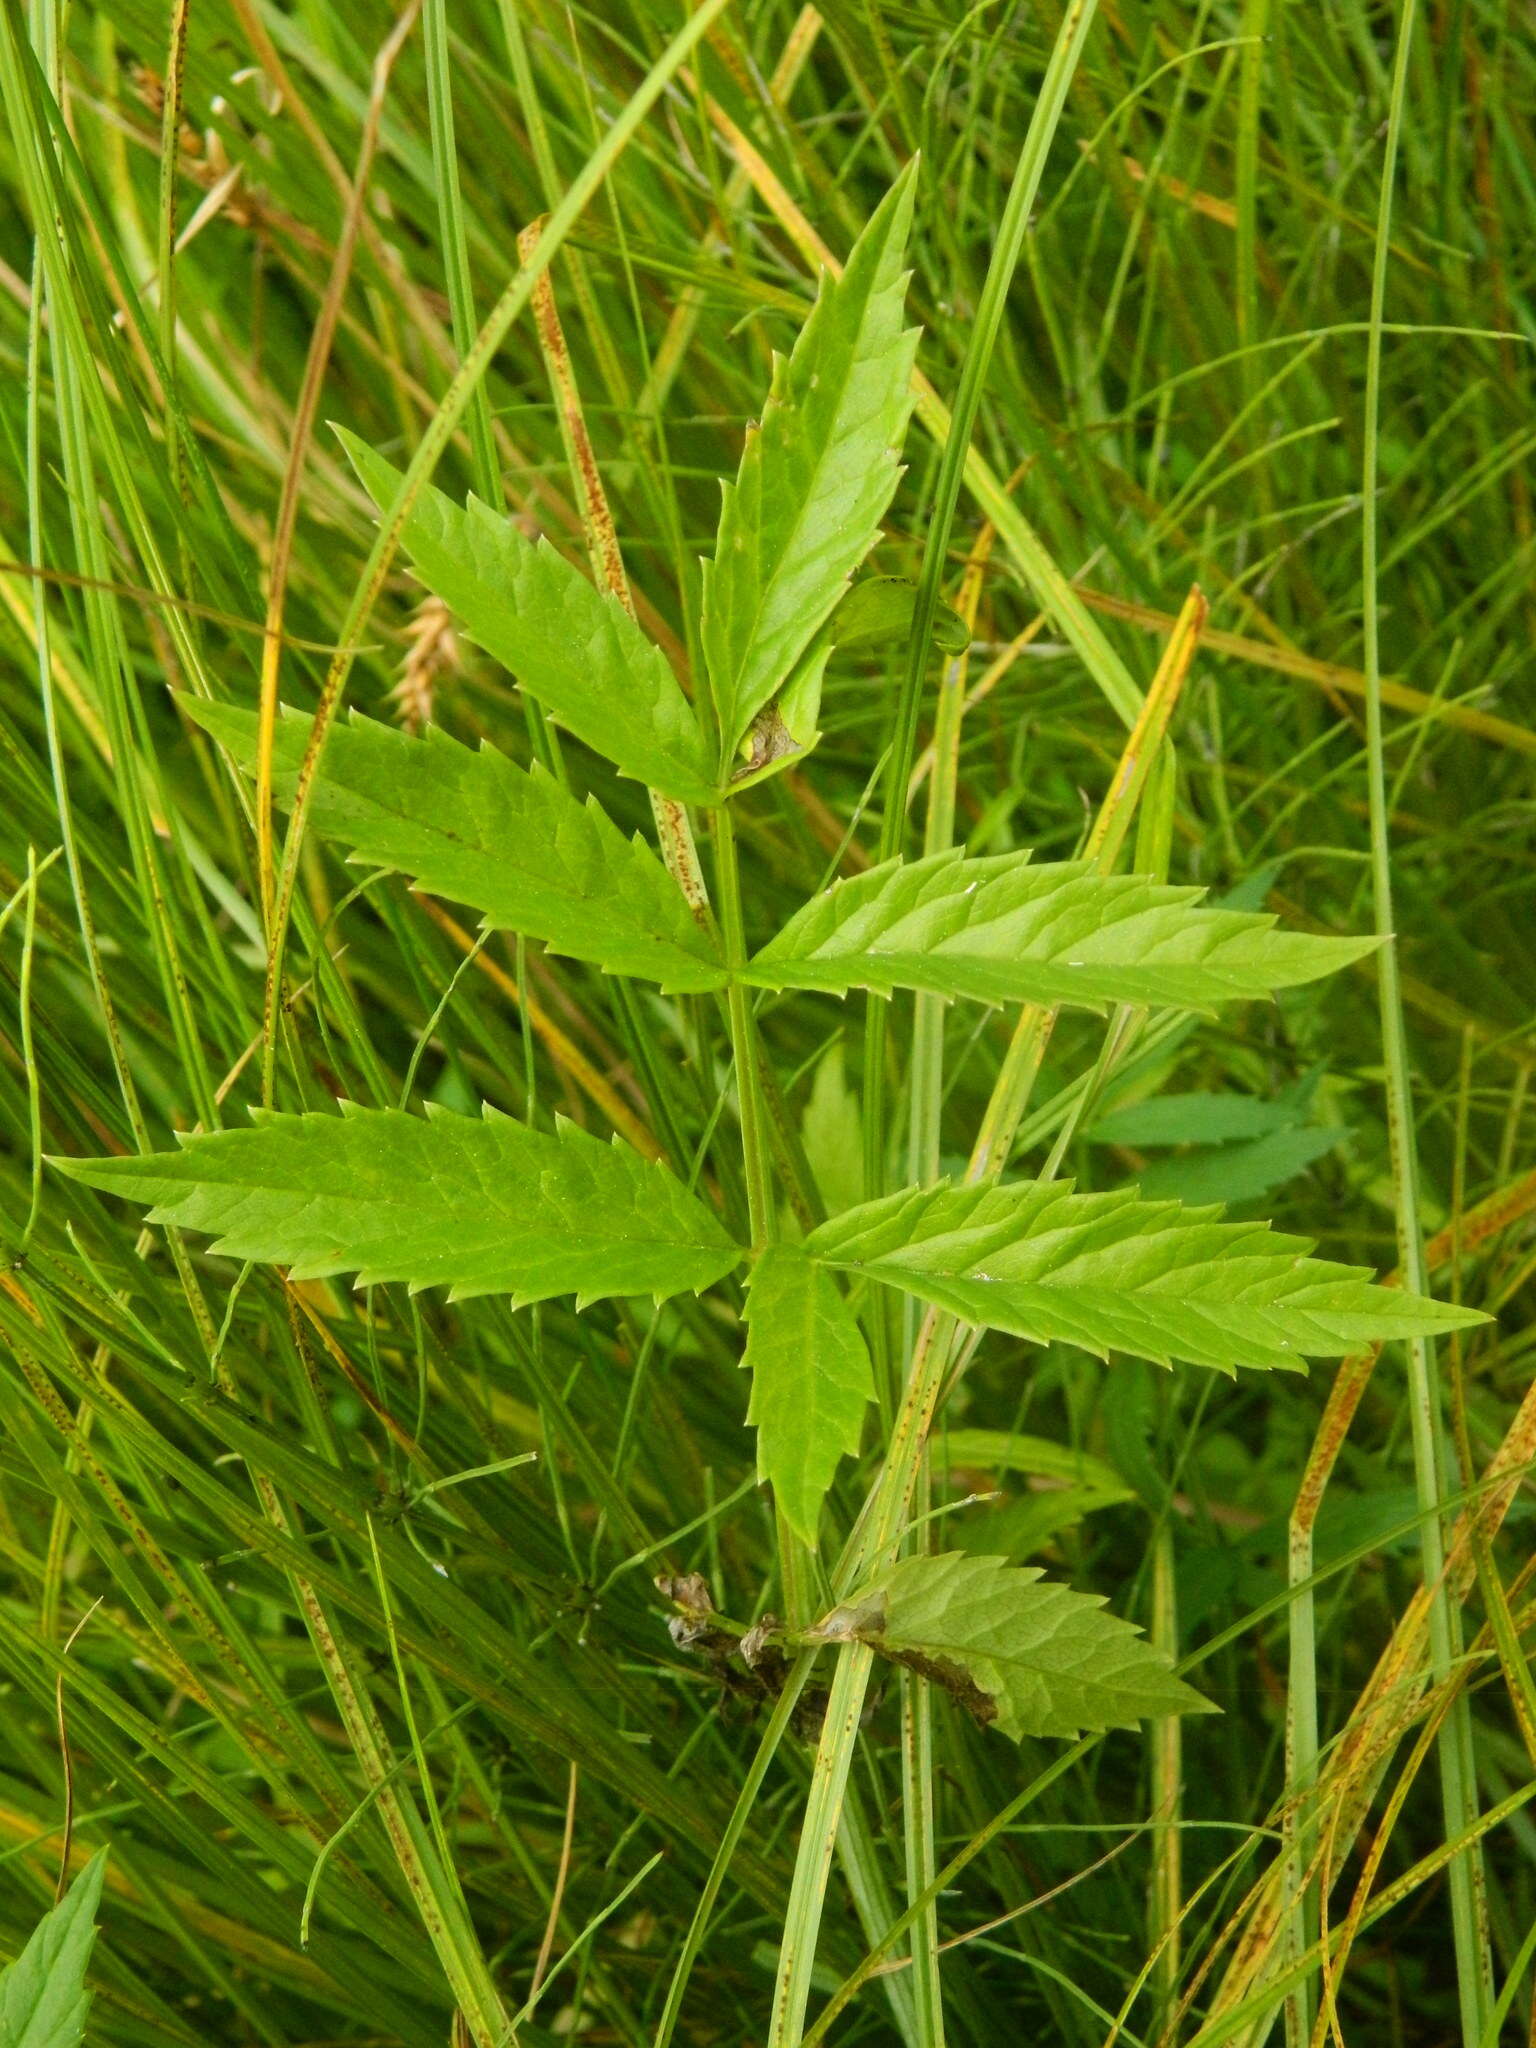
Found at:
(765, 880)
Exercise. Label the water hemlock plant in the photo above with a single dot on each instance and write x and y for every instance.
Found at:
(855, 1325)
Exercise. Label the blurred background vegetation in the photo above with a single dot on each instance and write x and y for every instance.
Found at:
(226, 1540)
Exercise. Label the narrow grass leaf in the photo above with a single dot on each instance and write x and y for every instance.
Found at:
(1110, 1272)
(816, 476)
(811, 1381)
(478, 1205)
(1003, 930)
(43, 1997)
(1010, 1450)
(569, 644)
(1037, 1659)
(473, 825)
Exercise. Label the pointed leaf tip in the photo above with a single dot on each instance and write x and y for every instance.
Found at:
(1036, 1658)
(1113, 1273)
(44, 2001)
(1002, 929)
(572, 646)
(479, 1207)
(816, 475)
(811, 1381)
(470, 824)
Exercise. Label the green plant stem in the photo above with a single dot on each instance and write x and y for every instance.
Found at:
(879, 1533)
(29, 1051)
(927, 1090)
(797, 1574)
(433, 1886)
(450, 217)
(919, 1826)
(1167, 1745)
(754, 1137)
(861, 1860)
(741, 1813)
(818, 1838)
(1012, 229)
(165, 249)
(1254, 54)
(1302, 1737)
(1458, 1786)
(923, 1158)
(957, 450)
(951, 1870)
(1015, 1082)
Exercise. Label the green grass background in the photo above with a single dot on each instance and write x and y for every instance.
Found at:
(1177, 395)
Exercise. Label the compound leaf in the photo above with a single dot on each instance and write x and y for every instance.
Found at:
(479, 1205)
(1002, 930)
(43, 1999)
(816, 474)
(472, 825)
(569, 644)
(1036, 1659)
(811, 1381)
(1110, 1272)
